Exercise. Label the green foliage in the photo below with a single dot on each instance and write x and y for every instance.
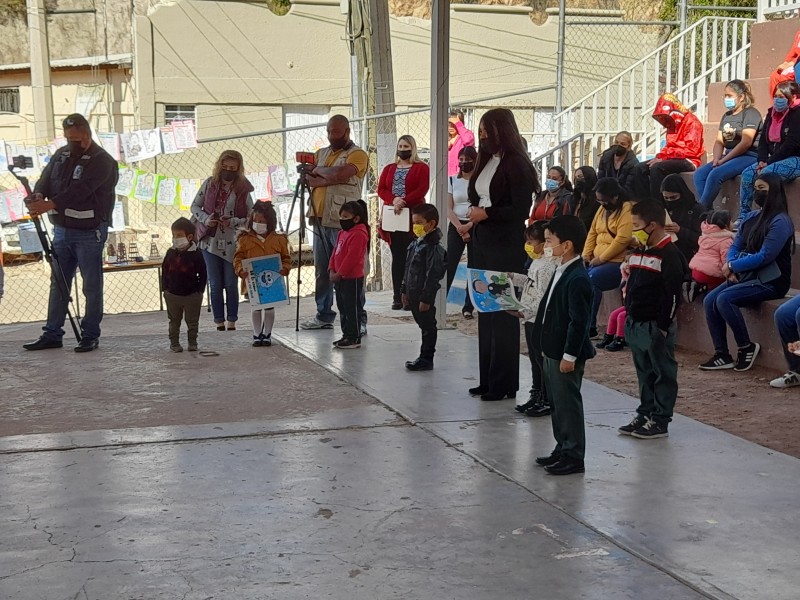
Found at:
(279, 7)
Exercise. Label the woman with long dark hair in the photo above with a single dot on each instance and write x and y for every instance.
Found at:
(500, 193)
(685, 214)
(584, 200)
(759, 268)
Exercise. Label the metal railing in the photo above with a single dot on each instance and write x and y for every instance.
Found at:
(785, 8)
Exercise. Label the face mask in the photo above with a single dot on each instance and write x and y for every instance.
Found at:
(180, 243)
(489, 147)
(419, 230)
(730, 103)
(75, 148)
(228, 175)
(260, 228)
(466, 167)
(347, 224)
(619, 150)
(780, 104)
(551, 185)
(404, 154)
(760, 197)
(548, 251)
(641, 236)
(533, 254)
(337, 144)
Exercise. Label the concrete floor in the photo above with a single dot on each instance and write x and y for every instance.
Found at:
(249, 494)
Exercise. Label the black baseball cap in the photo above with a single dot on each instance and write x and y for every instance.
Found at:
(76, 120)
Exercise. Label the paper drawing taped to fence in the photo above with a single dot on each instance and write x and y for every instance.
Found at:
(266, 287)
(492, 291)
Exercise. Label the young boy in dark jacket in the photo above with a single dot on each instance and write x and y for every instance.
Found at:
(183, 279)
(653, 293)
(562, 325)
(426, 265)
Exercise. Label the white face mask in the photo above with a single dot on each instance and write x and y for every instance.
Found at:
(260, 228)
(180, 243)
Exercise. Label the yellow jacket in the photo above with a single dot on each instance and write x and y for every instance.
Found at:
(249, 245)
(609, 235)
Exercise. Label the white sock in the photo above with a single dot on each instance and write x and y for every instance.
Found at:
(258, 321)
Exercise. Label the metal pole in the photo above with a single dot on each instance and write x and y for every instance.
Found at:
(683, 6)
(440, 110)
(562, 29)
(44, 121)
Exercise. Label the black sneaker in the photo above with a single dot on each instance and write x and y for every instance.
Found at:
(535, 396)
(341, 339)
(419, 364)
(617, 345)
(266, 340)
(651, 430)
(257, 341)
(746, 357)
(637, 422)
(718, 362)
(607, 339)
(346, 344)
(539, 409)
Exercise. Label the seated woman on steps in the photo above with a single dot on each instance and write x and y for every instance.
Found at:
(779, 145)
(759, 268)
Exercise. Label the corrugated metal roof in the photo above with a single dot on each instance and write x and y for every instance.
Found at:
(87, 61)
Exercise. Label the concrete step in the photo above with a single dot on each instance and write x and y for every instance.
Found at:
(770, 41)
(693, 332)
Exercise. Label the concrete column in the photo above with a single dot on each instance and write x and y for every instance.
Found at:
(44, 120)
(144, 74)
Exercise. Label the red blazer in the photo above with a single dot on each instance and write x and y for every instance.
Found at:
(418, 182)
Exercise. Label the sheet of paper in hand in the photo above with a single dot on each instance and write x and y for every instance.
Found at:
(492, 291)
(266, 287)
(395, 222)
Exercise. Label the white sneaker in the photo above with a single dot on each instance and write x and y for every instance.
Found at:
(315, 324)
(787, 380)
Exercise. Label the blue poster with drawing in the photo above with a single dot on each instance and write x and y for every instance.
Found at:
(266, 287)
(492, 291)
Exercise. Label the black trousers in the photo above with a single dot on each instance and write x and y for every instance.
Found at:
(399, 247)
(647, 179)
(427, 323)
(455, 248)
(566, 403)
(498, 352)
(348, 292)
(537, 360)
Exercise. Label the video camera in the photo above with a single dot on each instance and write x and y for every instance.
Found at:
(306, 161)
(22, 162)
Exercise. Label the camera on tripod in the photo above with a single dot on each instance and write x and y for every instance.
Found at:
(306, 161)
(22, 162)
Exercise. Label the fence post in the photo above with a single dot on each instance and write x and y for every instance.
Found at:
(562, 17)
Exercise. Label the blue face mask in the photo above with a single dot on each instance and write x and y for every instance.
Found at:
(730, 103)
(551, 185)
(780, 104)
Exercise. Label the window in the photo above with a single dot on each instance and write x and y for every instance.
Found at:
(180, 112)
(9, 100)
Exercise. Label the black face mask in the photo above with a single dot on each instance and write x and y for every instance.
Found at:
(467, 167)
(619, 150)
(760, 198)
(347, 224)
(404, 154)
(337, 144)
(75, 148)
(489, 147)
(228, 175)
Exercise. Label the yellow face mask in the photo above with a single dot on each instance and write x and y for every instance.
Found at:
(533, 254)
(419, 230)
(641, 236)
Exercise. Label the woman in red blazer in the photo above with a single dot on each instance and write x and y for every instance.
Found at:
(403, 184)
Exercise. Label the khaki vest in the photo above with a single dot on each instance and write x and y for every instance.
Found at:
(336, 195)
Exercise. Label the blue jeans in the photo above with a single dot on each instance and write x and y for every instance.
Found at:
(222, 278)
(723, 305)
(787, 322)
(787, 169)
(708, 179)
(603, 277)
(324, 240)
(77, 249)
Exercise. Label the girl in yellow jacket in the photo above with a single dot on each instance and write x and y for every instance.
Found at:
(260, 239)
(607, 242)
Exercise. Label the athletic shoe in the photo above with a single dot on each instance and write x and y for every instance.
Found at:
(266, 340)
(617, 345)
(607, 339)
(362, 331)
(718, 362)
(651, 430)
(747, 357)
(637, 422)
(346, 344)
(192, 347)
(257, 342)
(176, 348)
(315, 323)
(787, 380)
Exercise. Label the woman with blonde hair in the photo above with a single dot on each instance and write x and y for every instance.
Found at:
(221, 206)
(403, 184)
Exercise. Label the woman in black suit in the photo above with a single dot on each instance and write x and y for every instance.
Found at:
(500, 192)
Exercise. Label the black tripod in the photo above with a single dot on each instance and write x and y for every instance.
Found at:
(23, 162)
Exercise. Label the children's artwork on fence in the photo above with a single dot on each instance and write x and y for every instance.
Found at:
(5, 215)
(152, 142)
(168, 141)
(110, 143)
(260, 182)
(188, 191)
(3, 157)
(126, 181)
(492, 291)
(266, 287)
(167, 194)
(185, 134)
(16, 203)
(140, 145)
(145, 187)
(118, 217)
(278, 180)
(29, 242)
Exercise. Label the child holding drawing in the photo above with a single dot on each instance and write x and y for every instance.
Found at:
(346, 269)
(260, 239)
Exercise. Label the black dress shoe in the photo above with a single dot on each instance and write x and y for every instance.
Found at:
(419, 364)
(539, 409)
(546, 461)
(478, 391)
(87, 345)
(523, 407)
(397, 305)
(566, 466)
(43, 344)
(493, 396)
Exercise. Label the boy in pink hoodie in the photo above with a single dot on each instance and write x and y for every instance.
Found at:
(712, 253)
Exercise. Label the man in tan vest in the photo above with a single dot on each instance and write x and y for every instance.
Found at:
(337, 178)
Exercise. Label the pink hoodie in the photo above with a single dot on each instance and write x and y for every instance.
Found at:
(464, 137)
(713, 250)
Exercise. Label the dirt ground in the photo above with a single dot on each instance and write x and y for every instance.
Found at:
(740, 403)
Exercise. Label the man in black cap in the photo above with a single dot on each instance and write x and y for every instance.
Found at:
(77, 189)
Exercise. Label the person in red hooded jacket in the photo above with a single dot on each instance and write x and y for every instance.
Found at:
(683, 151)
(787, 70)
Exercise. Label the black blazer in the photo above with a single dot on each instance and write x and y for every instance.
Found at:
(625, 174)
(770, 152)
(563, 328)
(498, 243)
